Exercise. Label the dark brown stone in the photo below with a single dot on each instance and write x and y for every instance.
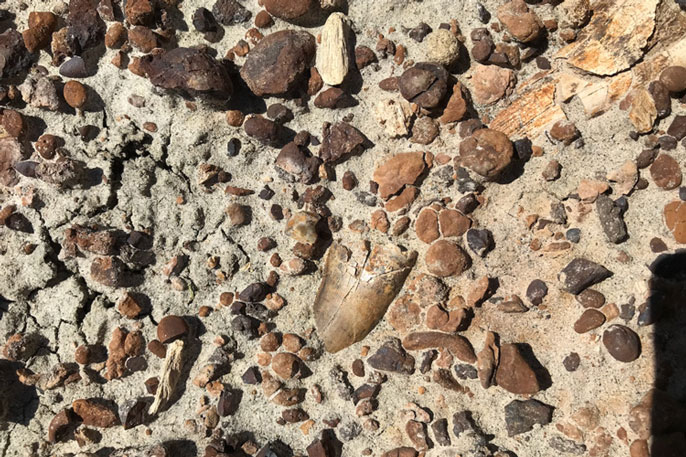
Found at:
(230, 12)
(425, 84)
(666, 172)
(591, 298)
(85, 29)
(294, 160)
(288, 9)
(622, 343)
(364, 56)
(514, 373)
(264, 130)
(278, 63)
(340, 141)
(109, 271)
(96, 413)
(589, 320)
(171, 328)
(140, 12)
(674, 78)
(334, 98)
(392, 357)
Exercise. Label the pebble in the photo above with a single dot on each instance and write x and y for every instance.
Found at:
(661, 99)
(262, 129)
(392, 357)
(75, 94)
(364, 56)
(444, 258)
(263, 20)
(96, 413)
(580, 274)
(520, 21)
(439, 427)
(203, 21)
(293, 159)
(442, 47)
(521, 416)
(565, 132)
(424, 131)
(239, 215)
(622, 343)
(171, 328)
(278, 63)
(486, 152)
(425, 84)
(334, 98)
(675, 219)
(591, 298)
(190, 70)
(286, 365)
(458, 345)
(398, 171)
(611, 218)
(41, 26)
(85, 29)
(666, 172)
(536, 292)
(341, 140)
(643, 111)
(571, 362)
(228, 402)
(133, 412)
(552, 170)
(416, 432)
(74, 68)
(674, 78)
(140, 12)
(677, 128)
(480, 241)
(456, 109)
(490, 83)
(288, 10)
(230, 12)
(589, 320)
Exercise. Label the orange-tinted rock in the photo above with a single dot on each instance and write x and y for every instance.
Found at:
(456, 109)
(514, 373)
(675, 220)
(39, 33)
(398, 171)
(520, 21)
(666, 172)
(426, 226)
(453, 223)
(444, 259)
(491, 83)
(402, 201)
(458, 345)
(589, 320)
(487, 152)
(286, 365)
(96, 413)
(170, 328)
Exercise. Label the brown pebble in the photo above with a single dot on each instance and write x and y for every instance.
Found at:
(171, 328)
(157, 348)
(589, 320)
(666, 172)
(286, 365)
(75, 94)
(263, 20)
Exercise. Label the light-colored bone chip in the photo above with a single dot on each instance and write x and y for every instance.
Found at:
(333, 54)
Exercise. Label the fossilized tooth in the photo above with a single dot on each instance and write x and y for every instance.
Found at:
(357, 287)
(333, 54)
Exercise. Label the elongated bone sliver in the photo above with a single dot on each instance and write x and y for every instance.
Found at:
(169, 376)
(333, 54)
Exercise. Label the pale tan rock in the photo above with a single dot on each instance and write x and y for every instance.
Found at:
(574, 13)
(333, 53)
(625, 176)
(491, 83)
(589, 189)
(643, 111)
(442, 47)
(395, 115)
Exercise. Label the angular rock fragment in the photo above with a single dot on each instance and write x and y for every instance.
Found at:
(11, 152)
(611, 219)
(520, 21)
(340, 141)
(580, 274)
(392, 357)
(294, 160)
(487, 361)
(514, 373)
(356, 289)
(398, 171)
(394, 115)
(40, 92)
(643, 111)
(95, 412)
(230, 12)
(109, 271)
(14, 57)
(85, 29)
(140, 12)
(264, 130)
(675, 220)
(132, 413)
(278, 63)
(521, 416)
(169, 376)
(189, 71)
(491, 83)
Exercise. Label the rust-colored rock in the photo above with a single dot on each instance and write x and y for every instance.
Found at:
(456, 109)
(666, 172)
(487, 152)
(491, 83)
(398, 171)
(96, 413)
(520, 21)
(39, 33)
(675, 220)
(514, 373)
(286, 365)
(357, 287)
(458, 345)
(444, 259)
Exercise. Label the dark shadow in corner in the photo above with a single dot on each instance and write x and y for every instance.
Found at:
(665, 309)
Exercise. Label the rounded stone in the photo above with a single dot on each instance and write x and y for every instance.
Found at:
(442, 47)
(75, 94)
(287, 9)
(425, 84)
(487, 152)
(589, 320)
(444, 259)
(171, 328)
(674, 78)
(622, 343)
(666, 172)
(286, 365)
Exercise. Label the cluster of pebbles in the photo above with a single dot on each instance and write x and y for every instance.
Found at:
(171, 289)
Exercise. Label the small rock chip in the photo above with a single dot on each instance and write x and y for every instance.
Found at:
(264, 130)
(536, 292)
(334, 98)
(521, 416)
(230, 12)
(398, 171)
(677, 128)
(486, 152)
(456, 109)
(109, 271)
(571, 362)
(590, 298)
(444, 259)
(424, 131)
(622, 343)
(589, 320)
(666, 172)
(580, 274)
(514, 373)
(278, 63)
(425, 84)
(643, 111)
(392, 357)
(14, 57)
(340, 141)
(170, 328)
(480, 241)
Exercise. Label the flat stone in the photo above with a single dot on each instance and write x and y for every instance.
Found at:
(487, 152)
(521, 416)
(590, 298)
(398, 171)
(456, 109)
(514, 373)
(580, 274)
(341, 141)
(458, 345)
(278, 63)
(564, 131)
(96, 413)
(622, 343)
(426, 226)
(677, 128)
